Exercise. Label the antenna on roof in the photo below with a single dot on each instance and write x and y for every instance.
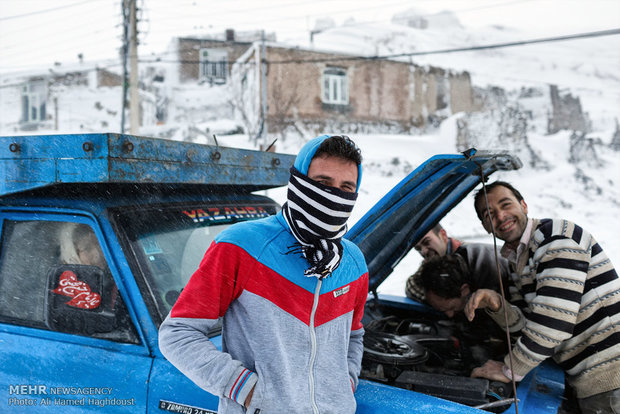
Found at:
(271, 145)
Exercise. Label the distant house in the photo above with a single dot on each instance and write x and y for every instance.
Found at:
(209, 59)
(327, 91)
(320, 91)
(48, 98)
(307, 90)
(209, 80)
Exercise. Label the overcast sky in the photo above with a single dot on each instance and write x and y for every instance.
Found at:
(41, 32)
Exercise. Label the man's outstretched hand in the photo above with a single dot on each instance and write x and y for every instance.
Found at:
(491, 370)
(482, 298)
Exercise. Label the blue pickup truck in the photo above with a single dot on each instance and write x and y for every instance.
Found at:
(100, 232)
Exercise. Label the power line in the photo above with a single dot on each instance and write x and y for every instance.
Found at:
(609, 32)
(94, 69)
(442, 51)
(79, 35)
(470, 48)
(218, 15)
(86, 18)
(18, 16)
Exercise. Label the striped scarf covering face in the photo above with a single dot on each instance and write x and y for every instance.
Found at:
(317, 215)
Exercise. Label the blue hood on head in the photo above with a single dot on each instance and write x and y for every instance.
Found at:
(304, 158)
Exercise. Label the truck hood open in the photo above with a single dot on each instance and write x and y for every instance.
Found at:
(399, 220)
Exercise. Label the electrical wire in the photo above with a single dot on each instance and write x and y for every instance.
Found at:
(297, 3)
(19, 16)
(78, 33)
(331, 13)
(107, 66)
(501, 289)
(84, 18)
(609, 32)
(344, 58)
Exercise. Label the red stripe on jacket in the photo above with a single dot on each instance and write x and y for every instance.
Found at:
(225, 273)
(229, 273)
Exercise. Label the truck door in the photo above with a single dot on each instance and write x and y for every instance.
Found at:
(67, 341)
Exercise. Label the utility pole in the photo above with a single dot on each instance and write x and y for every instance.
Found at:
(134, 97)
(56, 113)
(264, 91)
(124, 52)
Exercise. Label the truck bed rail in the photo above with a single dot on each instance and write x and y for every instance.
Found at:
(29, 162)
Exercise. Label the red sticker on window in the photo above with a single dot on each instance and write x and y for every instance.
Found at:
(79, 292)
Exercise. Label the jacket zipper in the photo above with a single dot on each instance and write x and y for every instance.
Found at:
(315, 408)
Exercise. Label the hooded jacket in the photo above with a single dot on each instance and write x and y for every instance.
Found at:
(297, 340)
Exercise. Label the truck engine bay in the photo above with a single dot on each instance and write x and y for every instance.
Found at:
(433, 354)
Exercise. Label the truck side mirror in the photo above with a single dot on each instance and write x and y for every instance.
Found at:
(75, 300)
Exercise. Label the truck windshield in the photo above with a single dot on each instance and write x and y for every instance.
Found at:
(167, 243)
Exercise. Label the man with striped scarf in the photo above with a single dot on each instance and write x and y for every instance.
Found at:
(291, 295)
(569, 295)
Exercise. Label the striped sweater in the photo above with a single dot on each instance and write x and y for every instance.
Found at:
(572, 296)
(297, 339)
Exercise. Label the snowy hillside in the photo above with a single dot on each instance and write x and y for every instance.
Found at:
(589, 66)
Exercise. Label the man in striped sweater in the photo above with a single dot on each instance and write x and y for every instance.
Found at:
(569, 295)
(291, 295)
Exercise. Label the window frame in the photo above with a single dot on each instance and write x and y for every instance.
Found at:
(33, 98)
(335, 86)
(80, 218)
(137, 262)
(213, 68)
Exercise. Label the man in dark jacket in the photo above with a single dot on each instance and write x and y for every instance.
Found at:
(449, 281)
(479, 259)
(437, 243)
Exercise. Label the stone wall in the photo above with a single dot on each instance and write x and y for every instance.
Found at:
(565, 113)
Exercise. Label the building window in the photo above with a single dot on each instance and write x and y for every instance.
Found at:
(33, 102)
(213, 65)
(335, 86)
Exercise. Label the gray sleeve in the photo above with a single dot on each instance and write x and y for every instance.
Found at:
(184, 342)
(354, 357)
